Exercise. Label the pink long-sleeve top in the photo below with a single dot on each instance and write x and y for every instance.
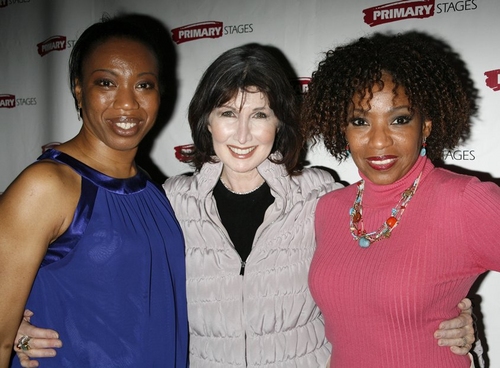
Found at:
(382, 304)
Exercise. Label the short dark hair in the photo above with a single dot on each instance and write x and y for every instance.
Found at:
(236, 70)
(432, 75)
(141, 28)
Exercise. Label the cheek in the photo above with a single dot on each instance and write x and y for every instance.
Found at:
(411, 144)
(267, 134)
(222, 132)
(356, 141)
(96, 102)
(218, 142)
(218, 135)
(150, 103)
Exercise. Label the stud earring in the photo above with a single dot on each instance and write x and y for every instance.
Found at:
(423, 150)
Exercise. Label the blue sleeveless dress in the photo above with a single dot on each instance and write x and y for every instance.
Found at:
(113, 285)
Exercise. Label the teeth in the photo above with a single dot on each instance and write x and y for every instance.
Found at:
(126, 126)
(241, 151)
(383, 162)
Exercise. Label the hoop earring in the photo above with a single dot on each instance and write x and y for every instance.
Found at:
(423, 150)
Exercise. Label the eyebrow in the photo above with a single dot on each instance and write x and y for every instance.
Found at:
(111, 71)
(233, 107)
(394, 109)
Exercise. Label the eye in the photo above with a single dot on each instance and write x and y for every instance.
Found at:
(260, 115)
(104, 82)
(227, 113)
(357, 122)
(146, 85)
(402, 120)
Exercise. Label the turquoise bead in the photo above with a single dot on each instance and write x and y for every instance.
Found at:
(363, 242)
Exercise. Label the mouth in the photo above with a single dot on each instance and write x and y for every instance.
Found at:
(382, 162)
(125, 123)
(241, 151)
(126, 126)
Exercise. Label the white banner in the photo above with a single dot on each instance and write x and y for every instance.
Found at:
(36, 106)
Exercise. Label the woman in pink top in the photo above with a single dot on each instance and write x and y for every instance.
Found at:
(397, 250)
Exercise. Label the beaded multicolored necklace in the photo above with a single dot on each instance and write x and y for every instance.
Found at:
(358, 232)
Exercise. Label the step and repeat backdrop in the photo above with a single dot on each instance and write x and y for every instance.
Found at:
(36, 107)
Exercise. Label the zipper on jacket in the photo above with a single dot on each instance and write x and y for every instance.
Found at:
(242, 269)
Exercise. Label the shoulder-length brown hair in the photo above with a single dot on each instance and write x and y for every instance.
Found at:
(236, 70)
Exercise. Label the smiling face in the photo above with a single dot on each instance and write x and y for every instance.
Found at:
(118, 93)
(384, 135)
(243, 132)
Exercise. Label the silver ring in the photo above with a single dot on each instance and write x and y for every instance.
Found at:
(24, 343)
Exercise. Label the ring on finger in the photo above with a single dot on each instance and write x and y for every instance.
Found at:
(464, 342)
(24, 343)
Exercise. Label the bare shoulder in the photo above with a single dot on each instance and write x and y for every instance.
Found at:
(34, 211)
(44, 180)
(46, 192)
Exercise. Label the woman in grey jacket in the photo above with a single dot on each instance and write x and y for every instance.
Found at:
(247, 217)
(258, 311)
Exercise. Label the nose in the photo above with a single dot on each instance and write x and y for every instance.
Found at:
(380, 136)
(243, 133)
(125, 99)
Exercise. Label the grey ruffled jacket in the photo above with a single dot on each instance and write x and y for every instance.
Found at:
(266, 318)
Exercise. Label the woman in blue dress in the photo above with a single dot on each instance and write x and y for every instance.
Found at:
(87, 240)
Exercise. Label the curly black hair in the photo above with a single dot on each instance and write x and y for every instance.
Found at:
(434, 78)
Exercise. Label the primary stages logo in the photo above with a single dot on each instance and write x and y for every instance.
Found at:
(54, 43)
(459, 155)
(493, 79)
(8, 101)
(407, 9)
(4, 3)
(398, 10)
(208, 29)
(301, 85)
(196, 31)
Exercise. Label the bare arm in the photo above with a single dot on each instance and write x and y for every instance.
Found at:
(458, 333)
(35, 209)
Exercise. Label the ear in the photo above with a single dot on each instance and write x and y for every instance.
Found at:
(78, 92)
(426, 128)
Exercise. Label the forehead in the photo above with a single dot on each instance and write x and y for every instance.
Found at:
(118, 49)
(248, 96)
(385, 90)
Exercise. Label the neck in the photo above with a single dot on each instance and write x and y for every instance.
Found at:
(116, 164)
(241, 183)
(376, 195)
